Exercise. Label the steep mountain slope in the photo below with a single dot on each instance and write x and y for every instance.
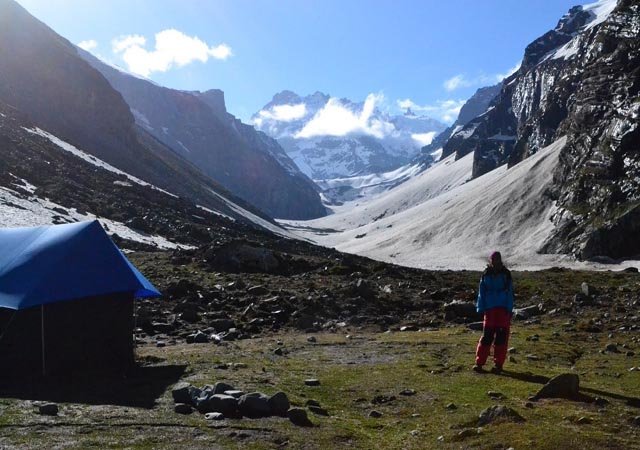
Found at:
(554, 163)
(45, 180)
(198, 127)
(455, 225)
(336, 138)
(43, 78)
(580, 80)
(477, 104)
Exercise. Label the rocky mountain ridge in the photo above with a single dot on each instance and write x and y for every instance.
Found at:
(197, 126)
(579, 80)
(373, 142)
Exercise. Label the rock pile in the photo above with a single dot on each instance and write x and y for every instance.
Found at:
(222, 401)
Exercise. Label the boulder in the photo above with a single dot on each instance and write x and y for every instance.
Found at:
(279, 404)
(221, 325)
(498, 412)
(48, 409)
(298, 416)
(240, 257)
(185, 393)
(318, 410)
(461, 309)
(220, 403)
(258, 290)
(566, 385)
(183, 408)
(221, 387)
(254, 405)
(364, 289)
(528, 312)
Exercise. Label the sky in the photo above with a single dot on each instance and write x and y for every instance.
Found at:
(428, 54)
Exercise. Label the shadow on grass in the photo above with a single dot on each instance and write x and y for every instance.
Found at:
(139, 388)
(541, 379)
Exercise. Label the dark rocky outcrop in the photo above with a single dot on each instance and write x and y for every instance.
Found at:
(579, 80)
(44, 83)
(197, 126)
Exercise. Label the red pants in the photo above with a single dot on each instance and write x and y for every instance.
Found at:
(497, 322)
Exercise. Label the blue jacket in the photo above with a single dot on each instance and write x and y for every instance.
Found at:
(496, 290)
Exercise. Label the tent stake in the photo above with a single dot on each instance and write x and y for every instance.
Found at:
(42, 335)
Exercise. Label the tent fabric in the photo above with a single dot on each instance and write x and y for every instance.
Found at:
(56, 263)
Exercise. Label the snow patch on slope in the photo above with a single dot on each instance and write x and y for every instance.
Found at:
(17, 211)
(454, 227)
(92, 159)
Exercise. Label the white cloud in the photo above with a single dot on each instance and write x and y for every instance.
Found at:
(283, 113)
(424, 138)
(445, 110)
(88, 45)
(462, 81)
(172, 48)
(456, 82)
(335, 119)
(508, 73)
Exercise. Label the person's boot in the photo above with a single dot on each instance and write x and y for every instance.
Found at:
(477, 368)
(497, 370)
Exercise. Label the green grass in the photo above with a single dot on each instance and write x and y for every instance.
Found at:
(352, 372)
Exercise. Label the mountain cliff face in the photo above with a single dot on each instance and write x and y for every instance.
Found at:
(43, 79)
(580, 80)
(197, 126)
(475, 106)
(335, 138)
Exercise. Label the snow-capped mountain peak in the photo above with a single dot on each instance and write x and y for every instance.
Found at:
(330, 137)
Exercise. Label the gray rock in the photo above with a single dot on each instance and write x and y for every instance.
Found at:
(221, 325)
(364, 289)
(279, 404)
(636, 421)
(185, 393)
(298, 416)
(221, 387)
(190, 316)
(512, 350)
(495, 395)
(586, 289)
(469, 432)
(214, 416)
(584, 421)
(566, 385)
(220, 403)
(258, 290)
(459, 308)
(613, 348)
(311, 339)
(312, 382)
(375, 414)
(451, 407)
(312, 403)
(278, 351)
(319, 411)
(182, 408)
(408, 392)
(48, 409)
(498, 412)
(234, 393)
(528, 312)
(254, 405)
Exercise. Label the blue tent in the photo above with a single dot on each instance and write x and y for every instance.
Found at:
(55, 263)
(71, 291)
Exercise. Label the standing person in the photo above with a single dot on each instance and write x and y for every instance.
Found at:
(495, 300)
